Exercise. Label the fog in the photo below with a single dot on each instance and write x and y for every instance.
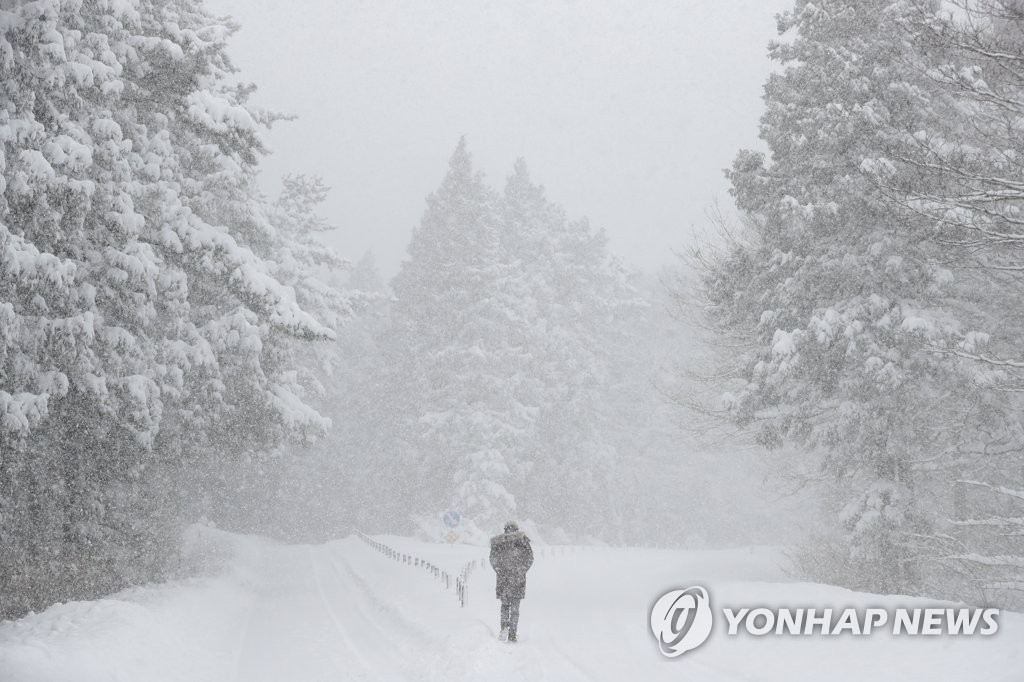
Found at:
(325, 325)
(627, 112)
(620, 113)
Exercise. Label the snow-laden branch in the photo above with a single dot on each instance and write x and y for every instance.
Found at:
(1018, 494)
(994, 561)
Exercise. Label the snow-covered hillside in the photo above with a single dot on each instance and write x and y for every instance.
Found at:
(343, 611)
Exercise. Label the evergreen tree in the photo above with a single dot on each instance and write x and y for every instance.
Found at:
(451, 346)
(573, 297)
(837, 295)
(277, 490)
(366, 277)
(496, 358)
(958, 169)
(137, 323)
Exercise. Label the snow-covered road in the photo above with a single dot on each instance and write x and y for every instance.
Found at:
(342, 611)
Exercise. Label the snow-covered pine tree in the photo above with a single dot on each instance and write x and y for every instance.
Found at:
(133, 321)
(575, 298)
(339, 474)
(452, 355)
(836, 294)
(276, 490)
(302, 260)
(495, 366)
(959, 168)
(366, 277)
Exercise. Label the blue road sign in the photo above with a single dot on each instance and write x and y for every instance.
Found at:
(451, 519)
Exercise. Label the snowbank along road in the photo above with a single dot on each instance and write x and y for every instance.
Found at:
(345, 611)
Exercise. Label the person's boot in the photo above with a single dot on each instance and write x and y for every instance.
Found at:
(512, 636)
(504, 635)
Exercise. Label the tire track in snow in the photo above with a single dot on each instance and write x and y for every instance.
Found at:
(365, 593)
(240, 642)
(393, 624)
(370, 671)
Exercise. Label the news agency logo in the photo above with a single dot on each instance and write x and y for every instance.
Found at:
(681, 620)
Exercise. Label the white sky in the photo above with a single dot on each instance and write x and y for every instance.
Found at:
(626, 111)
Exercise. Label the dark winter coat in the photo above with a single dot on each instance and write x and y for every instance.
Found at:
(511, 558)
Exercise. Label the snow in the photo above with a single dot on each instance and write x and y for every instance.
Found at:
(20, 411)
(343, 611)
(923, 325)
(783, 342)
(218, 113)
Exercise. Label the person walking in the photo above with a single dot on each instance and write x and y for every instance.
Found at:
(511, 558)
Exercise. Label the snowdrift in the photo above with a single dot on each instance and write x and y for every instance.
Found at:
(345, 611)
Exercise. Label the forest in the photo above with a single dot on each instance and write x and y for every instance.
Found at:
(837, 369)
